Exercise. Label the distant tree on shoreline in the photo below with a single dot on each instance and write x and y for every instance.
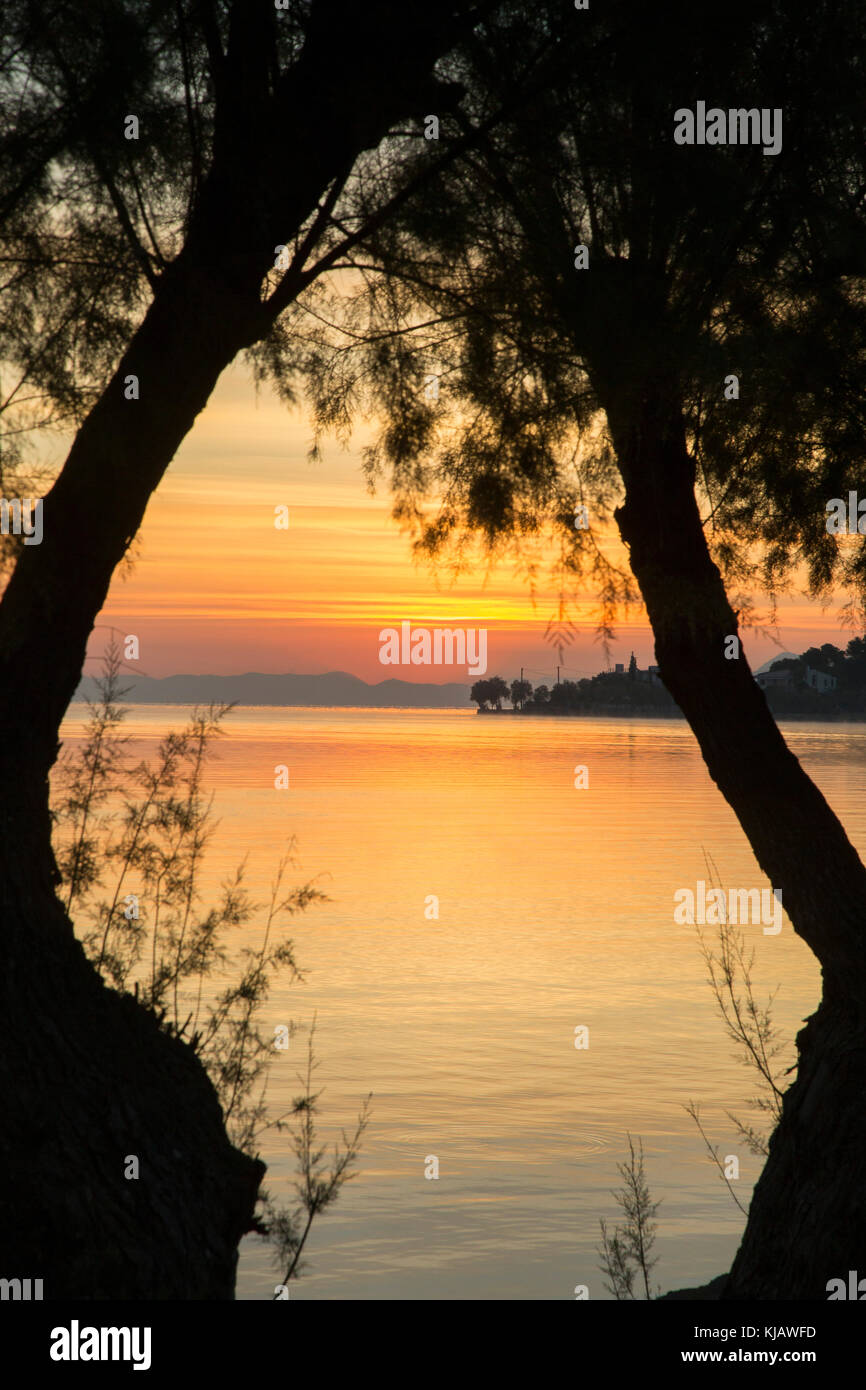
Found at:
(521, 691)
(607, 689)
(489, 692)
(639, 690)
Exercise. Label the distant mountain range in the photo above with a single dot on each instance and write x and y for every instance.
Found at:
(257, 688)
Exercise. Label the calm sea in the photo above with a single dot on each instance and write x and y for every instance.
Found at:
(555, 912)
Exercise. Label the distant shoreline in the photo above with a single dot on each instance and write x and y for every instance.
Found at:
(239, 705)
(617, 712)
(605, 712)
(551, 712)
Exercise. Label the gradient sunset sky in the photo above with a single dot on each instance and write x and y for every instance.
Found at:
(217, 589)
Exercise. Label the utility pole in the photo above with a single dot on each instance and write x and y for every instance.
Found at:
(557, 675)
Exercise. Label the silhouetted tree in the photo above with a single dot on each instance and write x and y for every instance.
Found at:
(521, 691)
(854, 673)
(825, 658)
(498, 691)
(171, 178)
(676, 334)
(566, 695)
(481, 694)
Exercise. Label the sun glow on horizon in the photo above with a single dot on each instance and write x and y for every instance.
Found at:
(216, 587)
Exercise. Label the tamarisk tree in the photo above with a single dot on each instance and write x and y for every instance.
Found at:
(627, 326)
(172, 175)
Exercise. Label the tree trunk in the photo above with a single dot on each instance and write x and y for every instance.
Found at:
(88, 1079)
(807, 1222)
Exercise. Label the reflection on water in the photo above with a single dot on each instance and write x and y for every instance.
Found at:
(555, 910)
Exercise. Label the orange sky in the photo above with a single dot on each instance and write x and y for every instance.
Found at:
(216, 588)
